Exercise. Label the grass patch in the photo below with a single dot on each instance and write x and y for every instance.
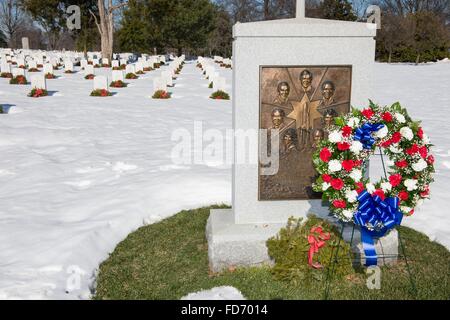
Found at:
(169, 260)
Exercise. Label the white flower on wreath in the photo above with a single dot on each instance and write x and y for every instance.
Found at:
(334, 166)
(353, 122)
(386, 186)
(356, 175)
(395, 149)
(356, 147)
(419, 202)
(325, 186)
(348, 214)
(335, 136)
(420, 165)
(410, 184)
(405, 209)
(407, 133)
(370, 188)
(351, 196)
(383, 132)
(400, 118)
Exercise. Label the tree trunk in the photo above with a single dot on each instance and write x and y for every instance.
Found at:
(390, 56)
(418, 59)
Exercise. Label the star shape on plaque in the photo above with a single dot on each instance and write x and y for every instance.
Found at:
(297, 114)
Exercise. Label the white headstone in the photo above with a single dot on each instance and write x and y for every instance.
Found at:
(139, 67)
(115, 64)
(32, 64)
(105, 61)
(100, 83)
(167, 75)
(18, 72)
(83, 63)
(123, 61)
(89, 69)
(38, 82)
(219, 84)
(159, 84)
(117, 75)
(5, 67)
(25, 43)
(48, 68)
(68, 65)
(130, 69)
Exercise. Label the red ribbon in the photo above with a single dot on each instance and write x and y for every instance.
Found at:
(316, 239)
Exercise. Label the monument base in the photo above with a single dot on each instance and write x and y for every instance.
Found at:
(243, 245)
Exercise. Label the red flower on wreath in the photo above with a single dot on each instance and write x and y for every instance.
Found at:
(430, 159)
(425, 193)
(348, 165)
(347, 131)
(326, 178)
(403, 195)
(379, 193)
(395, 179)
(359, 187)
(423, 151)
(368, 113)
(325, 155)
(343, 146)
(339, 204)
(103, 92)
(337, 184)
(401, 164)
(386, 144)
(413, 150)
(387, 117)
(420, 133)
(396, 137)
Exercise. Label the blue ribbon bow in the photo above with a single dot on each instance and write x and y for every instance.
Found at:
(364, 134)
(376, 217)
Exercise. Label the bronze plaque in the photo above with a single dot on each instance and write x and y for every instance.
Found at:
(300, 101)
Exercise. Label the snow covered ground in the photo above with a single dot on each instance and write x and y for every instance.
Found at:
(78, 173)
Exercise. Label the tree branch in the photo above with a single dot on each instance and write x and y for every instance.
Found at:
(118, 6)
(96, 21)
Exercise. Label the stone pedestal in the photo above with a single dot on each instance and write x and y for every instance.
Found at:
(231, 244)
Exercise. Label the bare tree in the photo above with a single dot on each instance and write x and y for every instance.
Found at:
(11, 19)
(106, 10)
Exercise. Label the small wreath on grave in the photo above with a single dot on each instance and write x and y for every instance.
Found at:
(377, 207)
(131, 76)
(7, 75)
(118, 84)
(302, 251)
(147, 69)
(40, 66)
(37, 93)
(21, 80)
(199, 65)
(220, 95)
(105, 65)
(156, 65)
(161, 94)
(50, 76)
(140, 72)
(211, 85)
(97, 66)
(90, 77)
(101, 93)
(69, 72)
(33, 70)
(22, 67)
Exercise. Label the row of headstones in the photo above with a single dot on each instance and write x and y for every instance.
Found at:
(38, 81)
(217, 82)
(223, 62)
(167, 76)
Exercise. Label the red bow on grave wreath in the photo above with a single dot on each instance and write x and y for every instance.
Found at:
(316, 239)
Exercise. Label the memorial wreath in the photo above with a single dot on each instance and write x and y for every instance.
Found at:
(376, 207)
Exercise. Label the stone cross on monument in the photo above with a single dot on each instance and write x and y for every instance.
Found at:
(301, 9)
